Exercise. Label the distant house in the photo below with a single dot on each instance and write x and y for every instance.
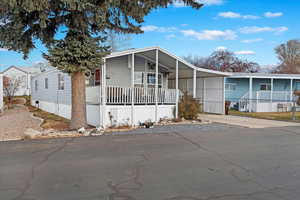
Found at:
(261, 92)
(132, 87)
(23, 74)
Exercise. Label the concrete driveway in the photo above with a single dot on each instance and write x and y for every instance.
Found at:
(209, 162)
(246, 121)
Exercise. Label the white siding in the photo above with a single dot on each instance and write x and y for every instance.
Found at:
(14, 73)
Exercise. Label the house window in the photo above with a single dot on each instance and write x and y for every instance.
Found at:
(230, 86)
(61, 82)
(151, 79)
(36, 85)
(138, 78)
(46, 83)
(97, 77)
(265, 87)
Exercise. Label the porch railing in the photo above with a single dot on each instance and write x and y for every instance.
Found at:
(123, 95)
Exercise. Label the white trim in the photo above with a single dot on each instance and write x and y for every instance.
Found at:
(291, 90)
(250, 93)
(132, 88)
(195, 84)
(156, 86)
(177, 92)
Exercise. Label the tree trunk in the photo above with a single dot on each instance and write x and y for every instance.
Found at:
(78, 118)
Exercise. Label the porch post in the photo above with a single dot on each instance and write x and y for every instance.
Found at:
(250, 93)
(272, 89)
(291, 90)
(177, 92)
(195, 84)
(156, 87)
(132, 89)
(103, 94)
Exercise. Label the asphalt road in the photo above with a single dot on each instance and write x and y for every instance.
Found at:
(211, 162)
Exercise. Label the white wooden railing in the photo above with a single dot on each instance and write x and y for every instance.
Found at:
(123, 95)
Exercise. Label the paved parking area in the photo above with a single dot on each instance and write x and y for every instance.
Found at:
(15, 121)
(210, 162)
(246, 121)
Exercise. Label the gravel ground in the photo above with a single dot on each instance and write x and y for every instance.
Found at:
(15, 121)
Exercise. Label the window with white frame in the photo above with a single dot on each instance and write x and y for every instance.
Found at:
(61, 82)
(46, 83)
(230, 86)
(36, 85)
(265, 87)
(138, 78)
(151, 78)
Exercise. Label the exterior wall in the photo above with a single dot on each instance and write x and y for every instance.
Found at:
(14, 73)
(119, 71)
(52, 94)
(1, 92)
(242, 86)
(214, 97)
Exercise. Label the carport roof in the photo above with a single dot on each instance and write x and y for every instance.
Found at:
(166, 58)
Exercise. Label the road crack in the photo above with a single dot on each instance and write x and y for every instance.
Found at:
(39, 164)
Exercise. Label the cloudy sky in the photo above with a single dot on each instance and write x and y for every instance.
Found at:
(250, 28)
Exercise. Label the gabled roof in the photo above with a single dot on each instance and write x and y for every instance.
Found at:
(27, 70)
(184, 62)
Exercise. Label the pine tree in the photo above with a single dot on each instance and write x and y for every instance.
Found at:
(24, 22)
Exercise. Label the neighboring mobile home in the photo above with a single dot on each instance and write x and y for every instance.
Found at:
(23, 74)
(261, 92)
(132, 87)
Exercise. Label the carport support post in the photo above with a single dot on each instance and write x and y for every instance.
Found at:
(195, 84)
(103, 94)
(177, 92)
(291, 90)
(250, 93)
(132, 89)
(156, 86)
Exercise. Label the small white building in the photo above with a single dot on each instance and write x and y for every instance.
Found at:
(23, 74)
(132, 87)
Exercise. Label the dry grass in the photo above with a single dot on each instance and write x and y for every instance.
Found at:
(51, 121)
(283, 116)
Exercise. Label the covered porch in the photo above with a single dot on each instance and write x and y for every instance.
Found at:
(146, 85)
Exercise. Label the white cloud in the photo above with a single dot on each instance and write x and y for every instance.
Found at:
(221, 48)
(211, 34)
(256, 29)
(252, 40)
(168, 37)
(179, 3)
(273, 15)
(3, 49)
(234, 15)
(244, 52)
(152, 28)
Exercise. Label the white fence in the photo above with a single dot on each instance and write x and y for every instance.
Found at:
(123, 95)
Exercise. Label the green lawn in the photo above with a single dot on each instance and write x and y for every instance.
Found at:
(285, 116)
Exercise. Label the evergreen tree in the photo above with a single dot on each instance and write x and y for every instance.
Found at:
(24, 22)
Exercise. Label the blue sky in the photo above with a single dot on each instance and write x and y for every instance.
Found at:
(251, 29)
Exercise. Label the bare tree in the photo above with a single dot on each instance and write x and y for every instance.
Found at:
(10, 87)
(223, 60)
(117, 41)
(289, 56)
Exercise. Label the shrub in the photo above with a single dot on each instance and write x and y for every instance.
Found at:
(188, 107)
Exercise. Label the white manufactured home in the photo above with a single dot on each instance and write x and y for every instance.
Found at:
(132, 87)
(23, 74)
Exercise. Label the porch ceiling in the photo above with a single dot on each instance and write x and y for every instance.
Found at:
(168, 60)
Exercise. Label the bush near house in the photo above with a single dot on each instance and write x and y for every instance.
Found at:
(188, 107)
